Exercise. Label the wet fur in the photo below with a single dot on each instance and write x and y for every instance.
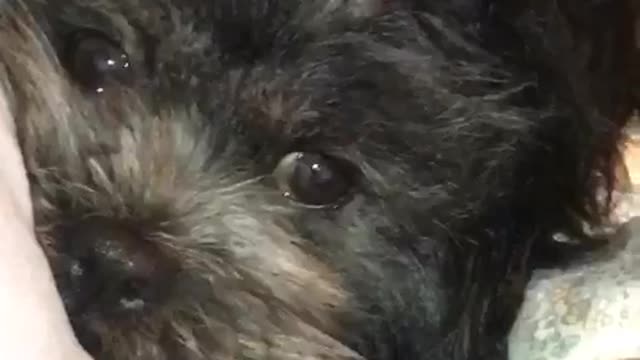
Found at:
(472, 152)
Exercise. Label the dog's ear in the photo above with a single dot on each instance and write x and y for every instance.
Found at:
(588, 44)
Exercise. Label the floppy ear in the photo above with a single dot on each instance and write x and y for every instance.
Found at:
(588, 43)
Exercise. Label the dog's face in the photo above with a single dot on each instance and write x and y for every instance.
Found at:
(277, 179)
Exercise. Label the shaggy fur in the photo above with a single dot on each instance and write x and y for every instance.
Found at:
(172, 222)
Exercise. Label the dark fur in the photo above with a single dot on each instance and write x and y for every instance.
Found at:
(473, 151)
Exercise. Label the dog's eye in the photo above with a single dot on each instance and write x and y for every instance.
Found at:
(313, 179)
(94, 60)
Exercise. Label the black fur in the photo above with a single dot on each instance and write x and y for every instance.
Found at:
(471, 134)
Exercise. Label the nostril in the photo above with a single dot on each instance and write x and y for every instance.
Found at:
(77, 283)
(133, 288)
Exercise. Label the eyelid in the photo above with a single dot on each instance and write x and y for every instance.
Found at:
(70, 19)
(75, 18)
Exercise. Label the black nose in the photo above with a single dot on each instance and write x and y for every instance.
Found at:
(110, 269)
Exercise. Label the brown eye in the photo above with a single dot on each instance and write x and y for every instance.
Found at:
(94, 60)
(314, 179)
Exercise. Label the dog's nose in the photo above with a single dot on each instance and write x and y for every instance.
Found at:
(110, 269)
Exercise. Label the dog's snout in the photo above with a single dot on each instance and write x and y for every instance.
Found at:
(112, 267)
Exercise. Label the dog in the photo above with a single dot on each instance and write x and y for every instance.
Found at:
(330, 179)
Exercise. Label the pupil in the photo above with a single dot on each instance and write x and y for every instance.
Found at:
(315, 182)
(106, 62)
(95, 60)
(314, 172)
(320, 174)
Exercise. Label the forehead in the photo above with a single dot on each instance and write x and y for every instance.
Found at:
(281, 68)
(228, 22)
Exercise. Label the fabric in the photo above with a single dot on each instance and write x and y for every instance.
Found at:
(592, 310)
